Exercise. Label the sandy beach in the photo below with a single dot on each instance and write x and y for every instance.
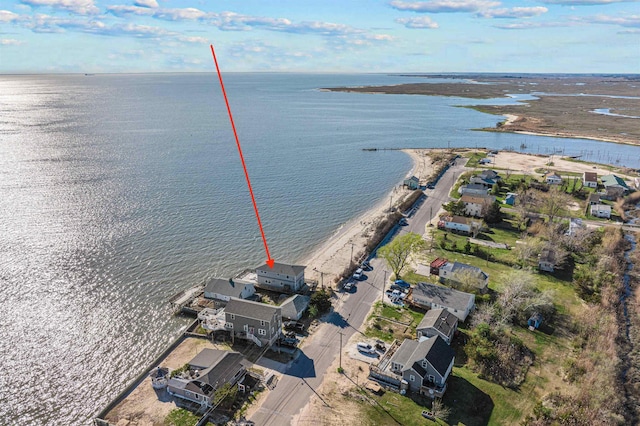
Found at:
(330, 259)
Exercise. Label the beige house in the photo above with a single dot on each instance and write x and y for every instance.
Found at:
(590, 179)
(476, 205)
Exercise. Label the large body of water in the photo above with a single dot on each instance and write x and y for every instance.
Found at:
(116, 191)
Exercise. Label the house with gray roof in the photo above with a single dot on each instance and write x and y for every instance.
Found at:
(222, 290)
(294, 306)
(438, 322)
(412, 183)
(614, 187)
(283, 278)
(458, 275)
(417, 366)
(208, 371)
(473, 189)
(486, 178)
(432, 296)
(258, 322)
(476, 205)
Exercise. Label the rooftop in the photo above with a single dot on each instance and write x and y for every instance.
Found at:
(282, 269)
(294, 305)
(224, 287)
(443, 296)
(613, 180)
(439, 319)
(435, 350)
(250, 309)
(590, 176)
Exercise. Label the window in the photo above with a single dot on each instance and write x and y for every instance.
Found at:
(262, 323)
(232, 316)
(432, 378)
(412, 378)
(229, 325)
(424, 363)
(262, 332)
(246, 327)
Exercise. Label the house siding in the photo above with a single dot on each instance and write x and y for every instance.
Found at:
(280, 282)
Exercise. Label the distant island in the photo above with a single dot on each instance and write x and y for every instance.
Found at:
(592, 107)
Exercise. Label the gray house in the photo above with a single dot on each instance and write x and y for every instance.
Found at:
(294, 306)
(282, 278)
(222, 290)
(438, 322)
(473, 189)
(487, 178)
(412, 183)
(455, 274)
(208, 370)
(258, 322)
(432, 296)
(420, 367)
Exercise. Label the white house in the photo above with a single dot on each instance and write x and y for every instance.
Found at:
(590, 179)
(282, 277)
(553, 178)
(459, 224)
(224, 290)
(476, 205)
(453, 273)
(601, 210)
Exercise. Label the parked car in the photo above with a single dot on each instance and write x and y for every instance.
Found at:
(428, 415)
(349, 286)
(288, 341)
(366, 265)
(293, 325)
(366, 348)
(403, 222)
(290, 334)
(395, 287)
(380, 345)
(358, 274)
(402, 284)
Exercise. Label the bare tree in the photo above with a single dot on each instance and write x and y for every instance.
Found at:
(553, 202)
(440, 410)
(520, 298)
(526, 248)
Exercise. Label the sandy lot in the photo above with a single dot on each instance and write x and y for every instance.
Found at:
(147, 407)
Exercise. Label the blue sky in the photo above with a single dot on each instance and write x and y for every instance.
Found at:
(585, 36)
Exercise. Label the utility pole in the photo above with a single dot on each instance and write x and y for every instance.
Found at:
(383, 283)
(340, 366)
(351, 254)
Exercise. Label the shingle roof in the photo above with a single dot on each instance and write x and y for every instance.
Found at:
(250, 309)
(443, 296)
(435, 350)
(456, 267)
(590, 177)
(477, 199)
(294, 305)
(225, 287)
(439, 319)
(489, 174)
(282, 268)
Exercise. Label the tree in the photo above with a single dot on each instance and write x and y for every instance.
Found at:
(398, 252)
(492, 212)
(225, 395)
(553, 202)
(521, 299)
(320, 302)
(455, 208)
(440, 410)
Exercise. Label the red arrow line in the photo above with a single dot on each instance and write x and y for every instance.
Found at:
(270, 261)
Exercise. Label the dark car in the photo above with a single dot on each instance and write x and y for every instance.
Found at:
(293, 325)
(367, 266)
(403, 222)
(287, 341)
(290, 334)
(402, 284)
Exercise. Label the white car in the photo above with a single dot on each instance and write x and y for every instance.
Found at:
(358, 274)
(366, 348)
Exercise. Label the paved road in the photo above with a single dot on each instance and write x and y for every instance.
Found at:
(306, 373)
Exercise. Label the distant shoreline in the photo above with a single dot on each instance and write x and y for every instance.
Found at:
(563, 106)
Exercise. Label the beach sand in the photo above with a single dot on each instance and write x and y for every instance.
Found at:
(331, 258)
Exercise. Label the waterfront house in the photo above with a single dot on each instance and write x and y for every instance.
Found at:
(282, 277)
(553, 178)
(294, 306)
(473, 189)
(438, 322)
(458, 275)
(434, 267)
(412, 183)
(614, 187)
(207, 372)
(487, 178)
(461, 224)
(601, 210)
(222, 290)
(433, 296)
(254, 321)
(547, 260)
(590, 179)
(421, 367)
(476, 205)
(594, 199)
(510, 199)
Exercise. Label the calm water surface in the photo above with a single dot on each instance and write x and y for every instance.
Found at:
(116, 191)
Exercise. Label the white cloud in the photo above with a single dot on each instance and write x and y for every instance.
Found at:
(126, 10)
(534, 25)
(514, 12)
(418, 23)
(81, 7)
(146, 3)
(444, 6)
(182, 14)
(585, 2)
(6, 16)
(193, 39)
(10, 42)
(624, 21)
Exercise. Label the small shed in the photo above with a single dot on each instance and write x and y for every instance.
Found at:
(534, 321)
(510, 199)
(412, 183)
(434, 267)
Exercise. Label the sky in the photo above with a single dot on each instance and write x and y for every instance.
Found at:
(429, 36)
